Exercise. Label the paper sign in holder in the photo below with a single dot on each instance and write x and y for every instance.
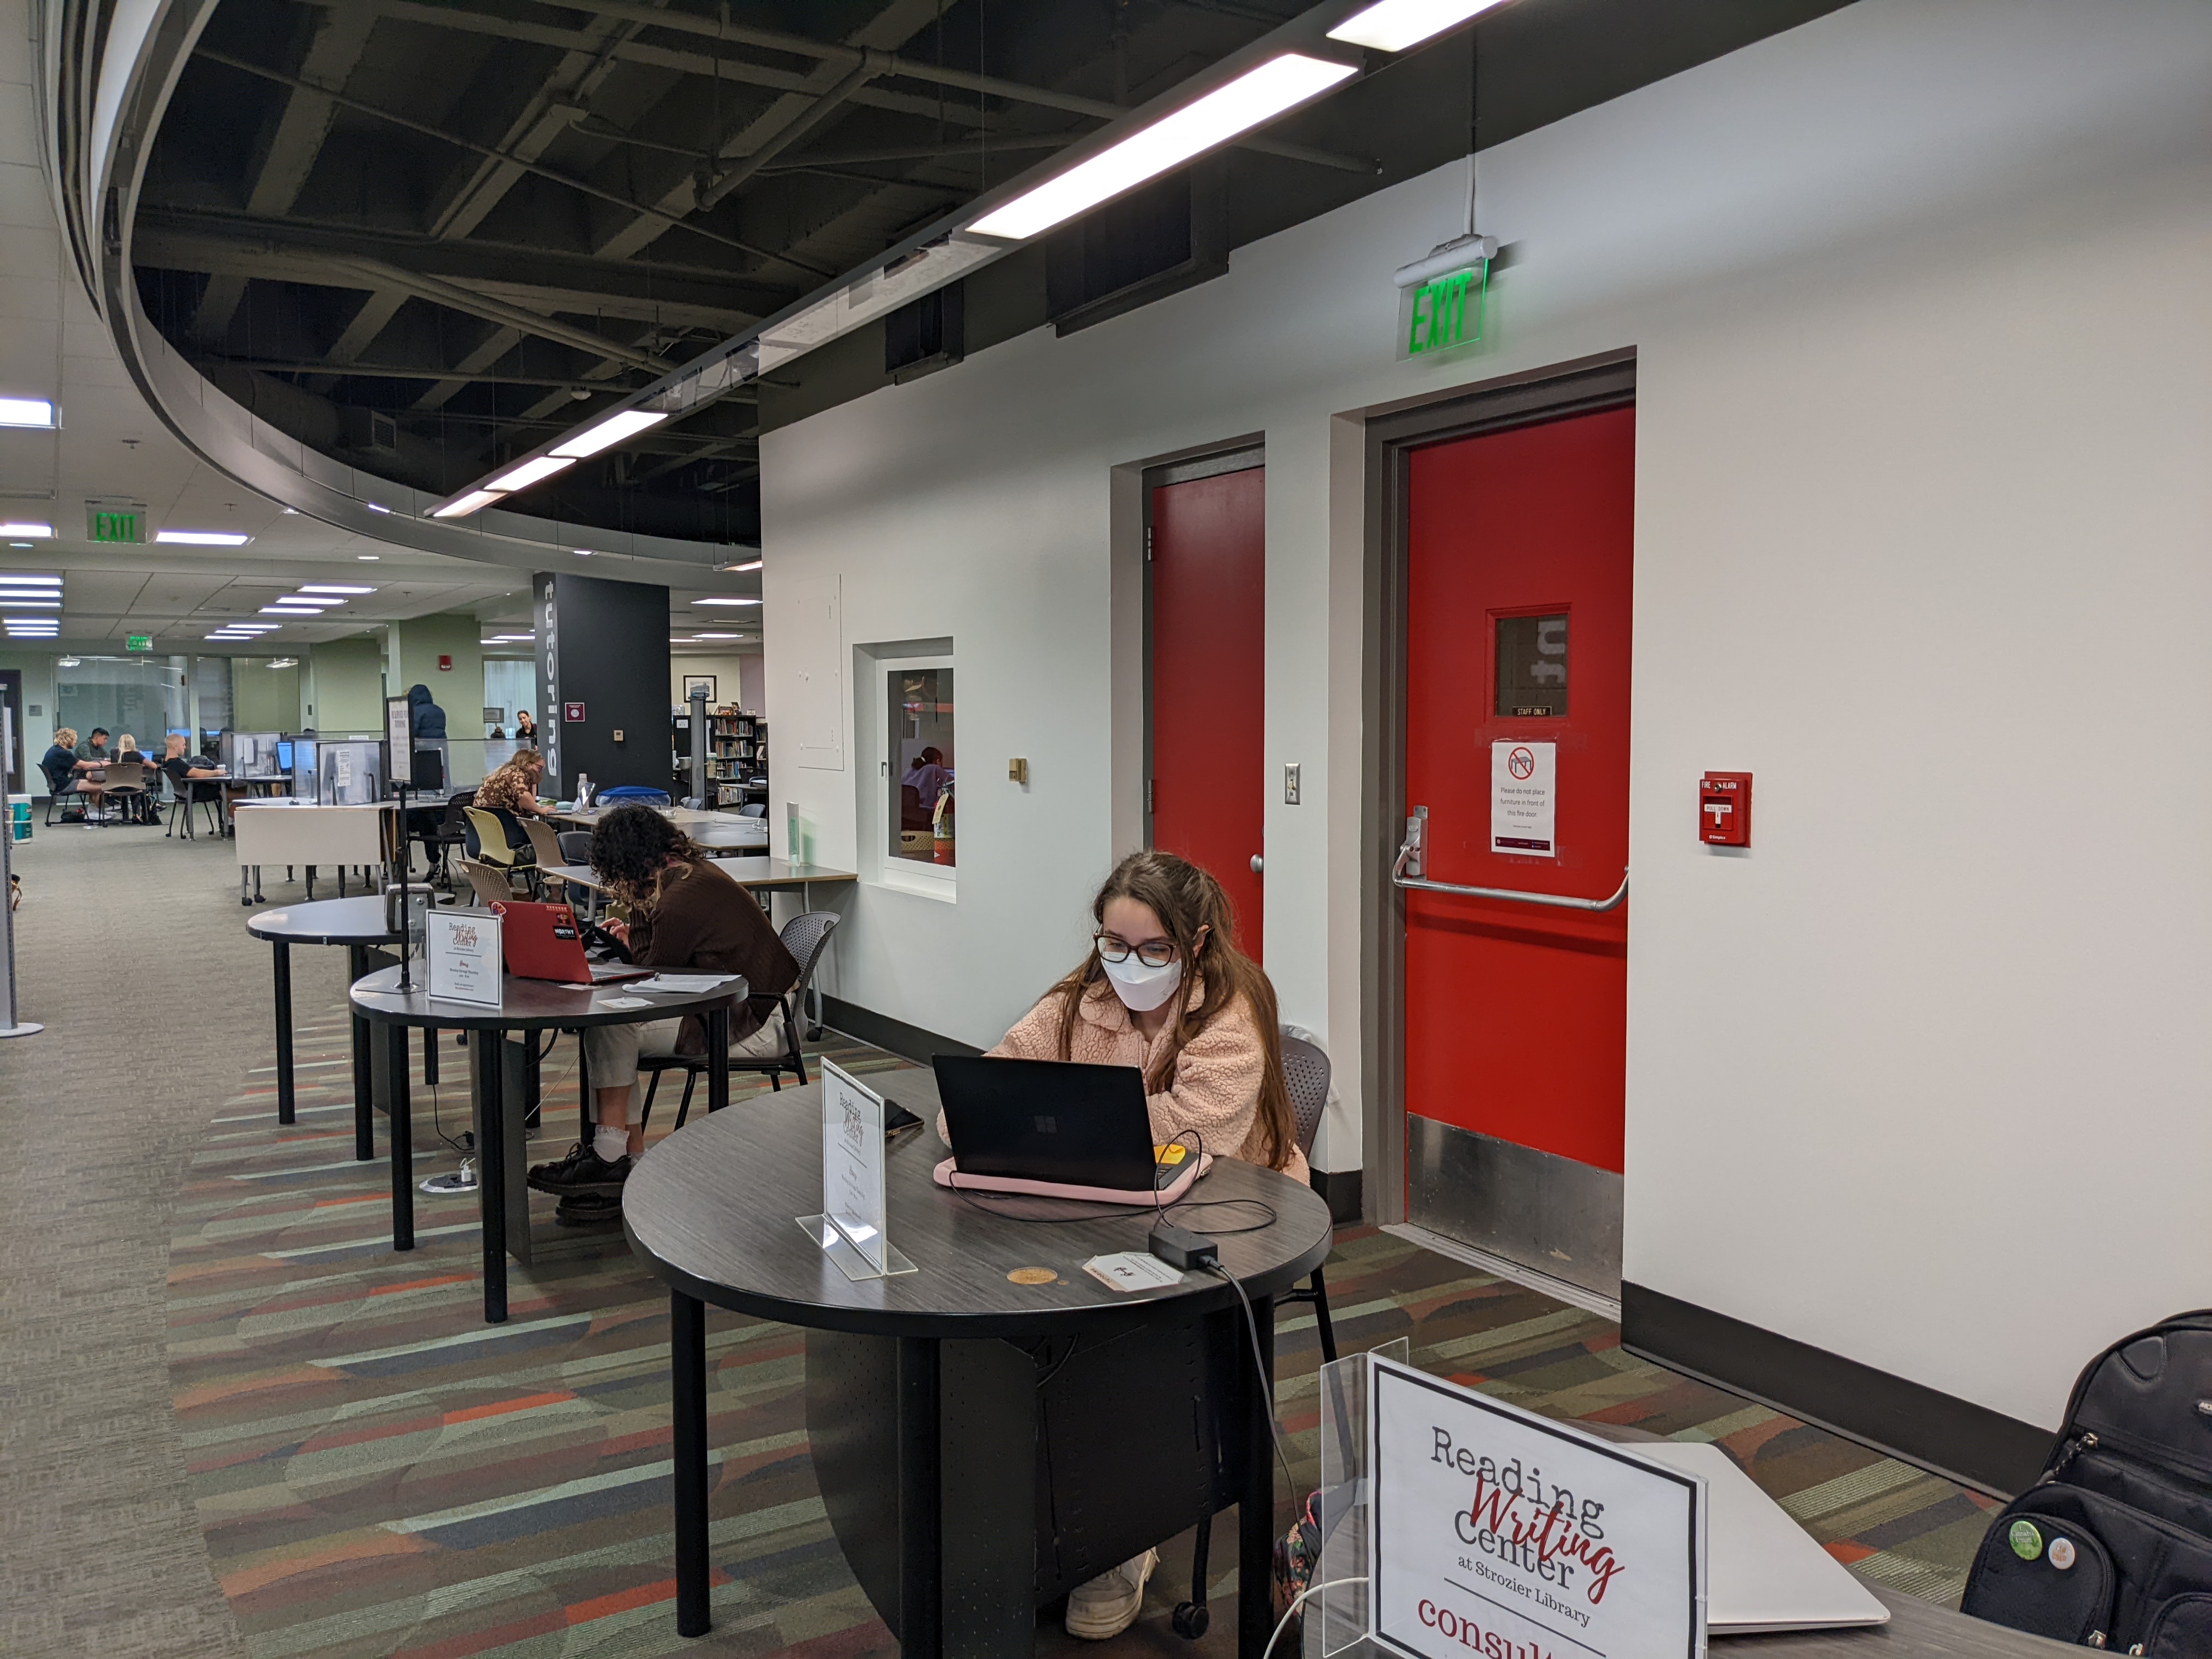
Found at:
(851, 1230)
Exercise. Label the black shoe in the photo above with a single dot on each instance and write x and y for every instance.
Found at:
(582, 1171)
(588, 1210)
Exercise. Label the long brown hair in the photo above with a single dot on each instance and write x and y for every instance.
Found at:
(1195, 912)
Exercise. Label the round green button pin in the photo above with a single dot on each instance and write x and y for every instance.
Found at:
(2026, 1542)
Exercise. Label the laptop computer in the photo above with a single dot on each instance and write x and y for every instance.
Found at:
(1045, 1125)
(542, 941)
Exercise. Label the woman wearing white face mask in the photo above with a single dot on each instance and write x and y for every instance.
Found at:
(1166, 989)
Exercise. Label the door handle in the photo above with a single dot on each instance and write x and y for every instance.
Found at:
(1413, 856)
(1256, 864)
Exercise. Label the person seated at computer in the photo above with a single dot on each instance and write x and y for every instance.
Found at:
(126, 753)
(95, 752)
(510, 793)
(686, 916)
(183, 769)
(1166, 989)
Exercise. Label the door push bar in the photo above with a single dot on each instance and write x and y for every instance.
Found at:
(1412, 860)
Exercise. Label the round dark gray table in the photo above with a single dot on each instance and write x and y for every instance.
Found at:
(525, 1004)
(712, 1212)
(357, 924)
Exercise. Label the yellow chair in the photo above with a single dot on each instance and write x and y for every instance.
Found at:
(492, 847)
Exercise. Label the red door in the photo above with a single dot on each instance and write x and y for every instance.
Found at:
(1209, 693)
(1519, 551)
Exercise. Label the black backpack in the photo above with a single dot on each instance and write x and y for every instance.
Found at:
(2112, 1546)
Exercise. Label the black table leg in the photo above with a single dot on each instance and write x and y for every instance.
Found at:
(687, 1369)
(403, 1145)
(364, 1089)
(287, 1111)
(718, 1059)
(921, 1566)
(1256, 1504)
(430, 1055)
(491, 1172)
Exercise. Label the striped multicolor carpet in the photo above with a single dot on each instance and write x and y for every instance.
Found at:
(380, 1473)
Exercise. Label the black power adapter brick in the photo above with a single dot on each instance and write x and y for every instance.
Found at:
(1179, 1248)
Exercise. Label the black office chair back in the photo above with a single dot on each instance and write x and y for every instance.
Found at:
(575, 846)
(1305, 1072)
(58, 779)
(453, 827)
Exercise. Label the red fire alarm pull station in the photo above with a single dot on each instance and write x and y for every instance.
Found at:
(1724, 809)
(446, 662)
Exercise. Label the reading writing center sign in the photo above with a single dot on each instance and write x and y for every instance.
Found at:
(1498, 1533)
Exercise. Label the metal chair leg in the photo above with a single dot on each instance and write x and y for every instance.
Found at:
(1326, 1330)
(652, 1089)
(684, 1107)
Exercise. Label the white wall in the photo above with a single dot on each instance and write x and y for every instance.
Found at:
(1924, 403)
(737, 677)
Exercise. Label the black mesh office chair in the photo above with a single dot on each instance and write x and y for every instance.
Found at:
(61, 784)
(438, 845)
(803, 936)
(1306, 1074)
(575, 847)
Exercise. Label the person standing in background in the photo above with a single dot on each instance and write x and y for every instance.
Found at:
(525, 729)
(424, 718)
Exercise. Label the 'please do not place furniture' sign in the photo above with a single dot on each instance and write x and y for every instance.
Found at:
(1497, 1532)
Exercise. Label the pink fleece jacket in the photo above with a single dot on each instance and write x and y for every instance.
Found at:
(1216, 1086)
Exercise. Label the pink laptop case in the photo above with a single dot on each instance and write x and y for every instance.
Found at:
(948, 1175)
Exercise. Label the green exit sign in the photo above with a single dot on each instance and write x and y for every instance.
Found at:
(1448, 310)
(137, 642)
(114, 524)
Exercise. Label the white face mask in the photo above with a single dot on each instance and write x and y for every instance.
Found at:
(1142, 988)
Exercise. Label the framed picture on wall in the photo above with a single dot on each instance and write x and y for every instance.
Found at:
(695, 684)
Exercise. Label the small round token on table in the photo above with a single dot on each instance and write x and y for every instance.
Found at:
(1032, 1276)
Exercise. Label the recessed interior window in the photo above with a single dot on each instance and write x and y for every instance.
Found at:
(921, 761)
(1532, 666)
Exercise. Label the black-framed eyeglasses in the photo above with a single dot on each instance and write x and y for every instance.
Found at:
(1153, 952)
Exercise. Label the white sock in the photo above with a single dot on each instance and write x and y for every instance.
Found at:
(610, 1144)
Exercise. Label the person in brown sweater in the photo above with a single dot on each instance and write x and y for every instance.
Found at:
(688, 917)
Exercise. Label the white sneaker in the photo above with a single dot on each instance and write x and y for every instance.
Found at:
(1109, 1603)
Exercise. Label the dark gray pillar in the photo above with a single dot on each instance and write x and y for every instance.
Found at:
(603, 651)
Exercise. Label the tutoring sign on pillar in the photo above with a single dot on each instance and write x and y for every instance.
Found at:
(1496, 1533)
(1525, 797)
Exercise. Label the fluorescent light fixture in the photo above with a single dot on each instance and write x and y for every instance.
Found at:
(586, 552)
(23, 578)
(284, 662)
(252, 628)
(203, 537)
(374, 508)
(25, 411)
(291, 611)
(69, 662)
(750, 564)
(718, 636)
(1257, 95)
(370, 558)
(19, 544)
(1394, 24)
(36, 531)
(531, 473)
(23, 602)
(726, 601)
(304, 598)
(230, 638)
(461, 508)
(624, 423)
(334, 587)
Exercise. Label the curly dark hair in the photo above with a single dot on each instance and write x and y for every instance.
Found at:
(631, 846)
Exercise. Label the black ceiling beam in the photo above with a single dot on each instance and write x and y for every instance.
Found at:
(173, 238)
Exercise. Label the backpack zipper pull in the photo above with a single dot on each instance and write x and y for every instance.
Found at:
(2135, 1652)
(2075, 1448)
(2096, 1639)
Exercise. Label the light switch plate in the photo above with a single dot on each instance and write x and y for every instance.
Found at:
(1289, 783)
